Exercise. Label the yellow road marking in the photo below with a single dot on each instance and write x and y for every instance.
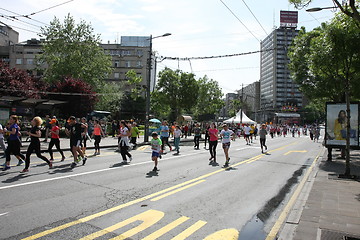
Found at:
(302, 151)
(189, 231)
(148, 219)
(275, 229)
(175, 191)
(142, 148)
(110, 210)
(166, 229)
(226, 234)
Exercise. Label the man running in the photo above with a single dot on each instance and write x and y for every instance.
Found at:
(74, 130)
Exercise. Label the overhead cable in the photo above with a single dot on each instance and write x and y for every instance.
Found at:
(255, 17)
(239, 20)
(23, 16)
(212, 57)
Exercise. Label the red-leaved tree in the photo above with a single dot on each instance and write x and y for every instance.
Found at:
(78, 94)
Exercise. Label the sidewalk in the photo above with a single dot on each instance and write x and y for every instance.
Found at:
(332, 208)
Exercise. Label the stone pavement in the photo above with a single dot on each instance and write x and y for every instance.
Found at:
(331, 205)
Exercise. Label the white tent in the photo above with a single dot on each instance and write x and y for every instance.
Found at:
(238, 119)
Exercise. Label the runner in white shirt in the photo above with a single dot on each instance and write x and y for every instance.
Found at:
(226, 136)
(247, 130)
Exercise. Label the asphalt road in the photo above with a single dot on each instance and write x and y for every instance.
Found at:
(188, 197)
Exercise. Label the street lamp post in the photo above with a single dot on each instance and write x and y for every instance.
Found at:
(316, 9)
(148, 83)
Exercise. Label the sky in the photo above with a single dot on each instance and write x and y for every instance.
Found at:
(199, 28)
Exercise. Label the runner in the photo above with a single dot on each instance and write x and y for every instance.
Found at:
(213, 133)
(207, 136)
(177, 136)
(74, 130)
(247, 130)
(262, 134)
(84, 135)
(226, 135)
(2, 142)
(55, 139)
(35, 134)
(97, 133)
(13, 142)
(164, 136)
(156, 149)
(124, 142)
(197, 136)
(134, 134)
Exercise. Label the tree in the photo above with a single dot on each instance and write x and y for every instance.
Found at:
(72, 50)
(350, 7)
(16, 82)
(109, 98)
(323, 60)
(209, 99)
(78, 94)
(176, 92)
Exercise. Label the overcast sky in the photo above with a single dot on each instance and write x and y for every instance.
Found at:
(199, 28)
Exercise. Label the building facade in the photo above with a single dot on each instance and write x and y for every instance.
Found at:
(250, 96)
(278, 90)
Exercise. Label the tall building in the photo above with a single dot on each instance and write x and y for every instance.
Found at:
(8, 37)
(250, 96)
(278, 90)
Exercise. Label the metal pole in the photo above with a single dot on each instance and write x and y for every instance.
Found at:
(148, 80)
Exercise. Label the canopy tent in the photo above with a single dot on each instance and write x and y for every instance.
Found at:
(238, 119)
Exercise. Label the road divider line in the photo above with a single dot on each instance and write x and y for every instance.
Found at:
(176, 191)
(275, 229)
(302, 151)
(3, 214)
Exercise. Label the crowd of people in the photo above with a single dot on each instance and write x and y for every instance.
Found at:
(80, 131)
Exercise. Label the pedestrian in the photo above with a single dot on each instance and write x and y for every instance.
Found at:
(96, 134)
(207, 136)
(134, 134)
(84, 135)
(156, 145)
(114, 127)
(177, 136)
(262, 134)
(164, 136)
(186, 129)
(34, 146)
(74, 131)
(55, 139)
(197, 136)
(2, 142)
(14, 143)
(213, 133)
(226, 135)
(247, 133)
(124, 142)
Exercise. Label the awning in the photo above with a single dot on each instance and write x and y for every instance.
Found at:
(33, 101)
(187, 118)
(53, 102)
(11, 99)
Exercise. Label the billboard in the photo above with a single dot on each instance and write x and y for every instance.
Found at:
(336, 124)
(288, 18)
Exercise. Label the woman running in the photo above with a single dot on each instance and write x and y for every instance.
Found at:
(213, 133)
(124, 141)
(14, 143)
(35, 134)
(55, 140)
(97, 133)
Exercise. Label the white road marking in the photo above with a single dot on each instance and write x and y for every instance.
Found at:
(2, 214)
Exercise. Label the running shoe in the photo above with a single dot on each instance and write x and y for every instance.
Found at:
(84, 161)
(20, 162)
(154, 169)
(25, 170)
(50, 165)
(79, 158)
(73, 165)
(63, 158)
(6, 168)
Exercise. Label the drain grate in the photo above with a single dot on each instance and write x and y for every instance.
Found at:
(336, 235)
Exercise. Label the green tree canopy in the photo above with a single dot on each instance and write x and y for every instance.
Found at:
(72, 50)
(175, 91)
(323, 60)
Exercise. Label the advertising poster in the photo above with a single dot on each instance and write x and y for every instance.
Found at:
(336, 124)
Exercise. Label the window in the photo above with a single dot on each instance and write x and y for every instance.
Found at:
(127, 64)
(117, 75)
(117, 63)
(30, 61)
(138, 64)
(18, 61)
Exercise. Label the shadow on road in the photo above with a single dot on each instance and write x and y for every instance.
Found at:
(152, 174)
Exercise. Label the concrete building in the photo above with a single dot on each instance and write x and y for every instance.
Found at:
(224, 112)
(278, 90)
(131, 53)
(8, 37)
(250, 96)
